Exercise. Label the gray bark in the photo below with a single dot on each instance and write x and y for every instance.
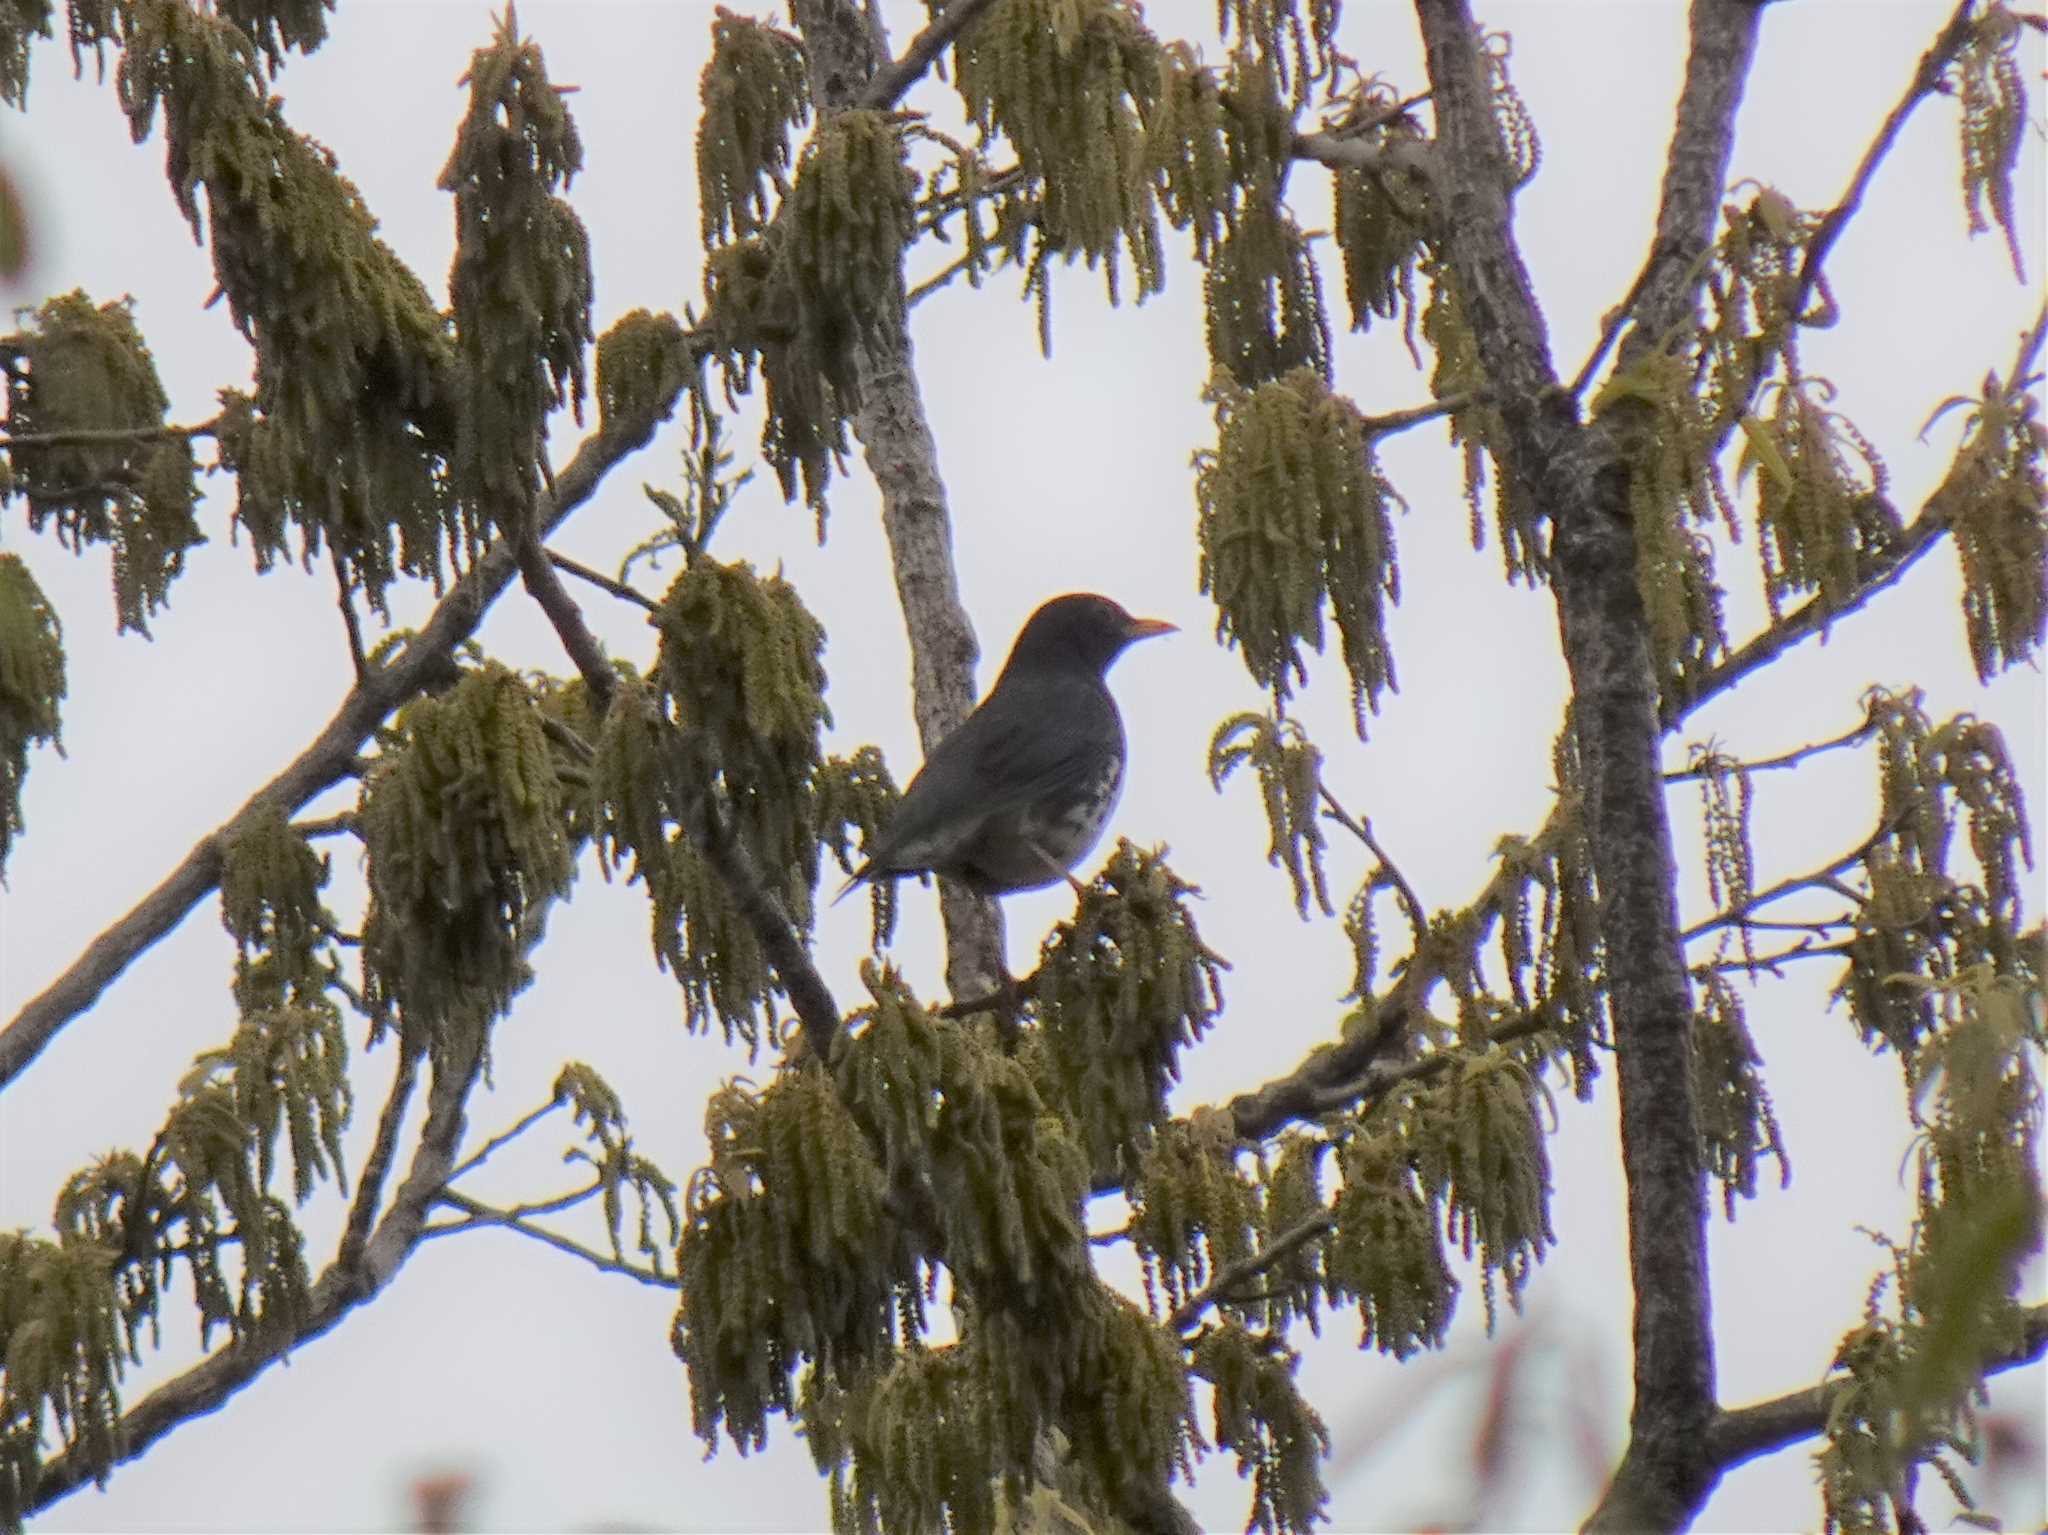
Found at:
(845, 56)
(1579, 477)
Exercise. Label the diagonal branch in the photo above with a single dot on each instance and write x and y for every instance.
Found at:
(1919, 536)
(324, 763)
(358, 1273)
(602, 582)
(888, 83)
(478, 1214)
(1926, 81)
(1233, 1275)
(1747, 1432)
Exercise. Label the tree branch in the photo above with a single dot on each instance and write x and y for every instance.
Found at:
(886, 86)
(545, 587)
(1747, 1432)
(1926, 82)
(1231, 1275)
(104, 436)
(1921, 535)
(424, 659)
(1851, 737)
(504, 1138)
(349, 622)
(602, 582)
(479, 1215)
(895, 434)
(1418, 914)
(358, 1273)
(1734, 915)
(362, 1213)
(1416, 415)
(1722, 43)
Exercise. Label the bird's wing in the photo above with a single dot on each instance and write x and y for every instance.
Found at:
(994, 763)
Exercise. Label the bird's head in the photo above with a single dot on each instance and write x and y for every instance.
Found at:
(1080, 631)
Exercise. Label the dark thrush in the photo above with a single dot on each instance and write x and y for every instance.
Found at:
(1018, 794)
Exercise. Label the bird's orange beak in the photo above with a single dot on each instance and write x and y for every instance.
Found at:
(1146, 628)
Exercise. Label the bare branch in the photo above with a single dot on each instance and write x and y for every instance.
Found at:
(1416, 415)
(1722, 44)
(1418, 914)
(1926, 82)
(1815, 617)
(603, 582)
(357, 1275)
(362, 1214)
(1859, 733)
(545, 587)
(343, 824)
(1747, 1432)
(1819, 878)
(478, 1215)
(504, 1138)
(1232, 1275)
(330, 757)
(107, 436)
(348, 618)
(886, 86)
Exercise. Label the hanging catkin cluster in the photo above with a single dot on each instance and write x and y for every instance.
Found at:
(1123, 987)
(465, 825)
(520, 289)
(31, 687)
(795, 299)
(755, 90)
(347, 434)
(1294, 519)
(73, 367)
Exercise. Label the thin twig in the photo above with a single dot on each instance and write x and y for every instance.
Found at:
(1851, 737)
(498, 1142)
(343, 824)
(1231, 1275)
(348, 618)
(527, 1209)
(600, 580)
(1768, 963)
(362, 1214)
(1416, 415)
(1736, 916)
(945, 275)
(478, 1215)
(1926, 81)
(104, 436)
(1418, 914)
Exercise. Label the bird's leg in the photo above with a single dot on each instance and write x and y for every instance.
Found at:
(1053, 865)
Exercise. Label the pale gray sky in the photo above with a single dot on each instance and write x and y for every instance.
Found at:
(553, 1384)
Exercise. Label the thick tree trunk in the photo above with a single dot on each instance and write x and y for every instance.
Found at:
(1579, 478)
(845, 51)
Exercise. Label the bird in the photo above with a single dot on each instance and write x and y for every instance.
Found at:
(1020, 791)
